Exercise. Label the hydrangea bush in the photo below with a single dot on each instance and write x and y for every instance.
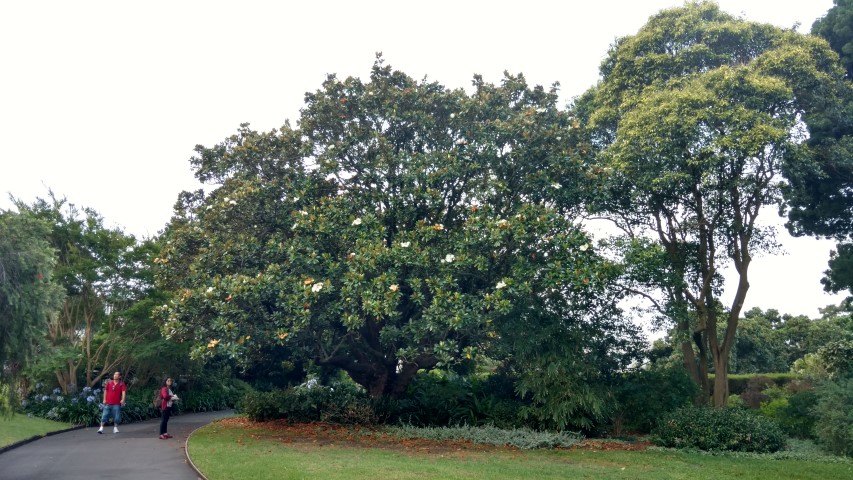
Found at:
(83, 408)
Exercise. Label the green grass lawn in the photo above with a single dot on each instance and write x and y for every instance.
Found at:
(236, 452)
(20, 427)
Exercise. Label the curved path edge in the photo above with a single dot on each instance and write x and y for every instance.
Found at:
(36, 437)
(190, 462)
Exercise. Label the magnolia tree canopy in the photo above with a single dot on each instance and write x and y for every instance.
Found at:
(400, 226)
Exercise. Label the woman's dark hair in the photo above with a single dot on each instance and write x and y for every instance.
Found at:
(164, 382)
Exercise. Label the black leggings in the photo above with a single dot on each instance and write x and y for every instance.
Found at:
(164, 419)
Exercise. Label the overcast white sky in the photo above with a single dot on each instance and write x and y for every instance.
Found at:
(103, 101)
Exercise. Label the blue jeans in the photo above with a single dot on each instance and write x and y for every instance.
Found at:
(111, 411)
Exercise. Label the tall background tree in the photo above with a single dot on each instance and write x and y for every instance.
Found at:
(104, 277)
(837, 28)
(29, 297)
(401, 227)
(821, 200)
(691, 126)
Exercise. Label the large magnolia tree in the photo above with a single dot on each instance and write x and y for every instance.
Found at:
(401, 226)
(692, 125)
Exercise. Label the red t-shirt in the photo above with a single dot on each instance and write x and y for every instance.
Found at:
(113, 391)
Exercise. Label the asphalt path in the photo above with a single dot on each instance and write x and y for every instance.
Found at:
(136, 452)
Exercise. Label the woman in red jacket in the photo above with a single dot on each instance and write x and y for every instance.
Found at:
(166, 399)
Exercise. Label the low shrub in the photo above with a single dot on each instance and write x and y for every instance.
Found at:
(645, 396)
(523, 438)
(834, 424)
(718, 429)
(794, 412)
(431, 400)
(354, 412)
(436, 401)
(260, 406)
(311, 402)
(736, 402)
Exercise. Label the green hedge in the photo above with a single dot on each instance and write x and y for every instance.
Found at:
(718, 429)
(738, 383)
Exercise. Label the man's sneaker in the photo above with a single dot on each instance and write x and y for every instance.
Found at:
(101, 430)
(168, 435)
(115, 429)
(163, 437)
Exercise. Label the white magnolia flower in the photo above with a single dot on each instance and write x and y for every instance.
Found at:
(449, 258)
(209, 289)
(500, 285)
(317, 287)
(394, 287)
(405, 244)
(461, 141)
(357, 221)
(232, 202)
(556, 186)
(502, 222)
(303, 212)
(452, 115)
(584, 247)
(541, 110)
(226, 199)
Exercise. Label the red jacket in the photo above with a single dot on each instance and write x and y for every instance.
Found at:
(164, 398)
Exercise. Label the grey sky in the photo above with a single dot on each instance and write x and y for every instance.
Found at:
(103, 101)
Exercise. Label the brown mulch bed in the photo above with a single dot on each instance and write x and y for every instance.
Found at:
(325, 434)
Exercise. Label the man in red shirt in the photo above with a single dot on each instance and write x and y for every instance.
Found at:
(114, 393)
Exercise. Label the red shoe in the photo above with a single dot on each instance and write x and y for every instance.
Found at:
(163, 437)
(168, 435)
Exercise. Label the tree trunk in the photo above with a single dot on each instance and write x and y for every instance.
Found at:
(68, 378)
(377, 385)
(697, 367)
(721, 380)
(692, 367)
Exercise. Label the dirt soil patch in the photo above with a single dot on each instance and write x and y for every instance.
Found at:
(325, 434)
